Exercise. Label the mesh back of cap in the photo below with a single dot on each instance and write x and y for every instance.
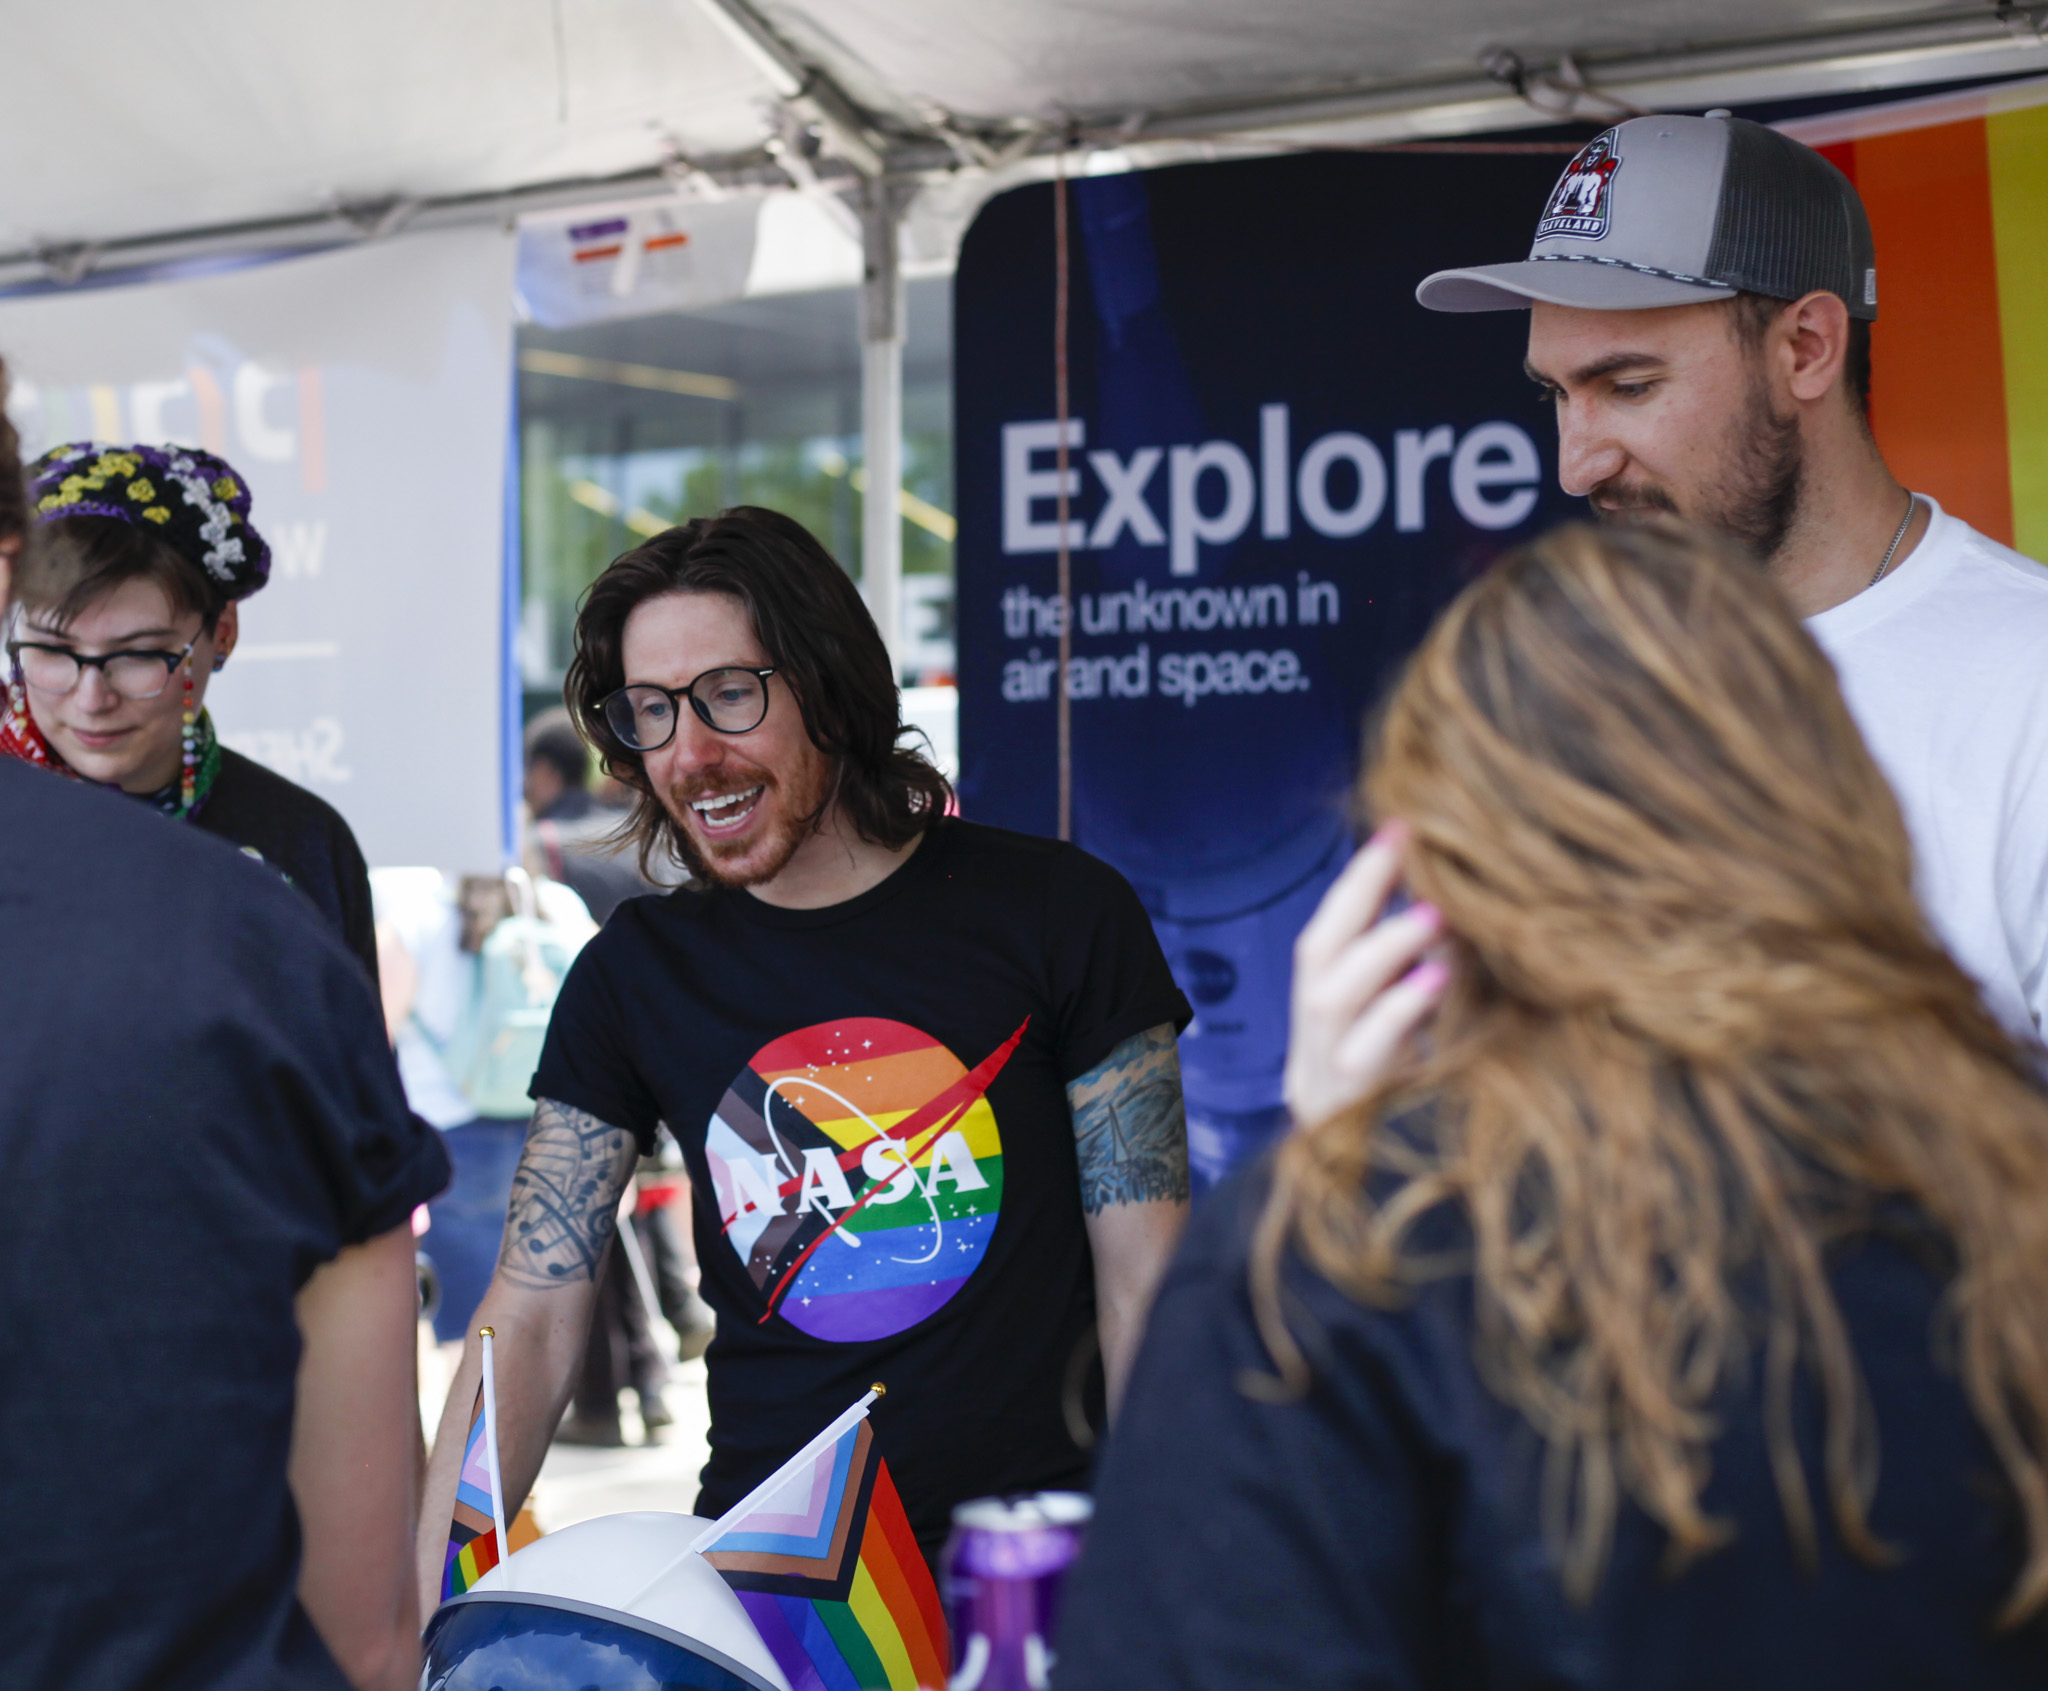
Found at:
(1789, 223)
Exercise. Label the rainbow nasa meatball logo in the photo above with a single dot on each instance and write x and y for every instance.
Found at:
(859, 1174)
(1580, 202)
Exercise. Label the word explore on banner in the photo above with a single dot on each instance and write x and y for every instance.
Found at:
(1278, 468)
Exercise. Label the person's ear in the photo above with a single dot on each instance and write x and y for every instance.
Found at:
(226, 631)
(10, 549)
(1815, 344)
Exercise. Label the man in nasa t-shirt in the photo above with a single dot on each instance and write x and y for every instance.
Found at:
(924, 1073)
(1701, 292)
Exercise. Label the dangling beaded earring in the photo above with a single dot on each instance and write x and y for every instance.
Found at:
(188, 781)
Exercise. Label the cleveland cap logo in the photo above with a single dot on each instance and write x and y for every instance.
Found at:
(1580, 201)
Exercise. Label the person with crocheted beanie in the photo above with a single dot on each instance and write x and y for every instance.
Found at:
(129, 602)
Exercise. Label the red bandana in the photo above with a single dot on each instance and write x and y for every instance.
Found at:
(21, 738)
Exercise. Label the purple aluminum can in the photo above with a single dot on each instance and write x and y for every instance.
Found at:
(1005, 1564)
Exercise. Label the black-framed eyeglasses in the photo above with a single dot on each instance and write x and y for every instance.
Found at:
(729, 700)
(133, 675)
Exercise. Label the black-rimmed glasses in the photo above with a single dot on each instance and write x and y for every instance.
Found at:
(729, 700)
(133, 675)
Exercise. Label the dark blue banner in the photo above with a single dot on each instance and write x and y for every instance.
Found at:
(1281, 468)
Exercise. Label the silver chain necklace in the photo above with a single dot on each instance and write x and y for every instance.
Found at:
(1905, 523)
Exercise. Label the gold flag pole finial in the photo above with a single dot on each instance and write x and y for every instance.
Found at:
(487, 1332)
(879, 1389)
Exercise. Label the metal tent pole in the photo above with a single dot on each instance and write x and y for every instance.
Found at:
(881, 537)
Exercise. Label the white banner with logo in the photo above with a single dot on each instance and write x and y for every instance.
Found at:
(363, 395)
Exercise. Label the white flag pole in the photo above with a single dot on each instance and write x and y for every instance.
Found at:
(491, 1451)
(777, 1480)
(762, 1492)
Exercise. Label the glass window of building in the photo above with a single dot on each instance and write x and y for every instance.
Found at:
(627, 427)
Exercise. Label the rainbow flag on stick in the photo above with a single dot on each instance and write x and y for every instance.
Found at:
(476, 1530)
(822, 1557)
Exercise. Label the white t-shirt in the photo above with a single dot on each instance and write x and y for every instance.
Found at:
(1945, 667)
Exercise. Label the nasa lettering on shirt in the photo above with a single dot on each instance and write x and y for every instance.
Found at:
(1339, 487)
(749, 1184)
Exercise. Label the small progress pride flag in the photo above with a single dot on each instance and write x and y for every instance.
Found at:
(476, 1531)
(472, 1534)
(824, 1562)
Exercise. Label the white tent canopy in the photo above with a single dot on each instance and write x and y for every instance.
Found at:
(250, 122)
(147, 135)
(1177, 66)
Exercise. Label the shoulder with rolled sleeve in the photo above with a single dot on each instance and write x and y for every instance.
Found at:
(1110, 977)
(334, 1077)
(587, 1061)
(237, 1012)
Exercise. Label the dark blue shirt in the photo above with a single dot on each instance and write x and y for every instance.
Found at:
(197, 1109)
(1386, 1529)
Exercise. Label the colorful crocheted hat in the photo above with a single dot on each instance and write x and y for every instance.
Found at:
(192, 499)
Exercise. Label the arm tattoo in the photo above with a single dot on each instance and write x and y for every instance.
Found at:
(565, 1197)
(1130, 1126)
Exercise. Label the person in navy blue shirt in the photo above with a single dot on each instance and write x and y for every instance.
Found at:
(1653, 1292)
(209, 1422)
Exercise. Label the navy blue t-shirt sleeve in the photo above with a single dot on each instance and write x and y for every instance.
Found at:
(1109, 977)
(1245, 1543)
(309, 1048)
(585, 1062)
(382, 1161)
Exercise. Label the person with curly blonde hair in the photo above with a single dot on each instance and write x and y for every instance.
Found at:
(1655, 1290)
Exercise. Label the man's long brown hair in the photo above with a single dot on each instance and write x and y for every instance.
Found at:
(1697, 1030)
(819, 636)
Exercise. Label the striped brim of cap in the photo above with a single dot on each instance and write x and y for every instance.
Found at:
(1590, 283)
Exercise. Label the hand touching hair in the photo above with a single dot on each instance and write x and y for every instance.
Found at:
(1697, 1028)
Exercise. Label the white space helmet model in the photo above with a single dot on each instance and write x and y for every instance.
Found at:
(574, 1612)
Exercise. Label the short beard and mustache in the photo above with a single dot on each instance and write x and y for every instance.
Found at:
(1755, 499)
(803, 815)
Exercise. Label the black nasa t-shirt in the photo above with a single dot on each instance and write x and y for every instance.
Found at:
(872, 1101)
(197, 1109)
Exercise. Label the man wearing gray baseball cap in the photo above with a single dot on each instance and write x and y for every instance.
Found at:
(1701, 293)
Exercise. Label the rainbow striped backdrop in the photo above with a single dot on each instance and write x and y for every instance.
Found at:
(1957, 190)
(472, 1535)
(834, 1581)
